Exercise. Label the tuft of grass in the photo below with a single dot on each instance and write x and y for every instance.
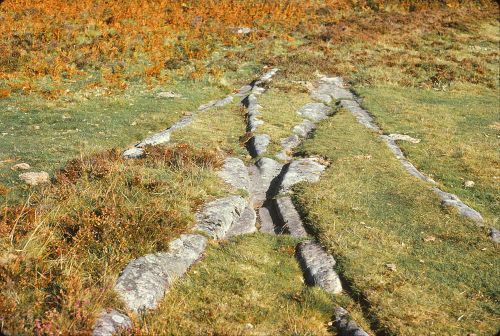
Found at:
(250, 285)
(64, 248)
(370, 212)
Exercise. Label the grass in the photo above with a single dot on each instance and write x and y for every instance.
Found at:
(369, 213)
(459, 132)
(63, 250)
(65, 129)
(250, 285)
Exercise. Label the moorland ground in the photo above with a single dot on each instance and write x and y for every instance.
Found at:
(81, 81)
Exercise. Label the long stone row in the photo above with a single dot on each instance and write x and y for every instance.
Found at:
(339, 91)
(271, 184)
(145, 280)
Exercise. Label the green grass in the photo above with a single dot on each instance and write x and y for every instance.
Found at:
(370, 212)
(459, 132)
(46, 134)
(251, 279)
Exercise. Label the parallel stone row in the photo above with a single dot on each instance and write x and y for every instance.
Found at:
(338, 91)
(145, 280)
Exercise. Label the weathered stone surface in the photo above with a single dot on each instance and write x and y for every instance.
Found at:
(21, 166)
(224, 101)
(361, 115)
(262, 174)
(266, 221)
(403, 137)
(110, 323)
(315, 111)
(464, 210)
(495, 235)
(306, 169)
(303, 129)
(144, 281)
(268, 75)
(330, 88)
(235, 173)
(242, 30)
(244, 224)
(133, 153)
(410, 168)
(288, 144)
(318, 266)
(35, 178)
(345, 325)
(290, 217)
(168, 94)
(156, 139)
(257, 145)
(217, 217)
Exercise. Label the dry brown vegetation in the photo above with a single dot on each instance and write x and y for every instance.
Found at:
(62, 250)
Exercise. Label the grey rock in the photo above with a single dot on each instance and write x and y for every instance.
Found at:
(288, 145)
(262, 175)
(345, 325)
(235, 173)
(363, 117)
(244, 90)
(495, 235)
(223, 101)
(245, 224)
(133, 153)
(410, 168)
(300, 170)
(318, 266)
(242, 30)
(266, 221)
(21, 166)
(290, 217)
(303, 129)
(257, 145)
(268, 75)
(403, 137)
(315, 111)
(464, 210)
(181, 123)
(144, 281)
(35, 178)
(217, 217)
(168, 94)
(329, 89)
(156, 139)
(110, 323)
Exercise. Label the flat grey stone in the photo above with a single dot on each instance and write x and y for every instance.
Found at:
(403, 137)
(217, 217)
(303, 129)
(288, 144)
(410, 168)
(181, 123)
(495, 235)
(290, 217)
(318, 266)
(329, 89)
(110, 323)
(464, 210)
(245, 224)
(315, 111)
(262, 175)
(35, 178)
(133, 153)
(156, 139)
(345, 325)
(257, 145)
(266, 221)
(300, 170)
(223, 101)
(168, 94)
(268, 75)
(363, 117)
(143, 283)
(235, 173)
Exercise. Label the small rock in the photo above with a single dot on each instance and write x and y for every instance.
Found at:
(429, 239)
(469, 184)
(21, 166)
(248, 326)
(392, 267)
(495, 235)
(242, 30)
(35, 178)
(168, 94)
(404, 137)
